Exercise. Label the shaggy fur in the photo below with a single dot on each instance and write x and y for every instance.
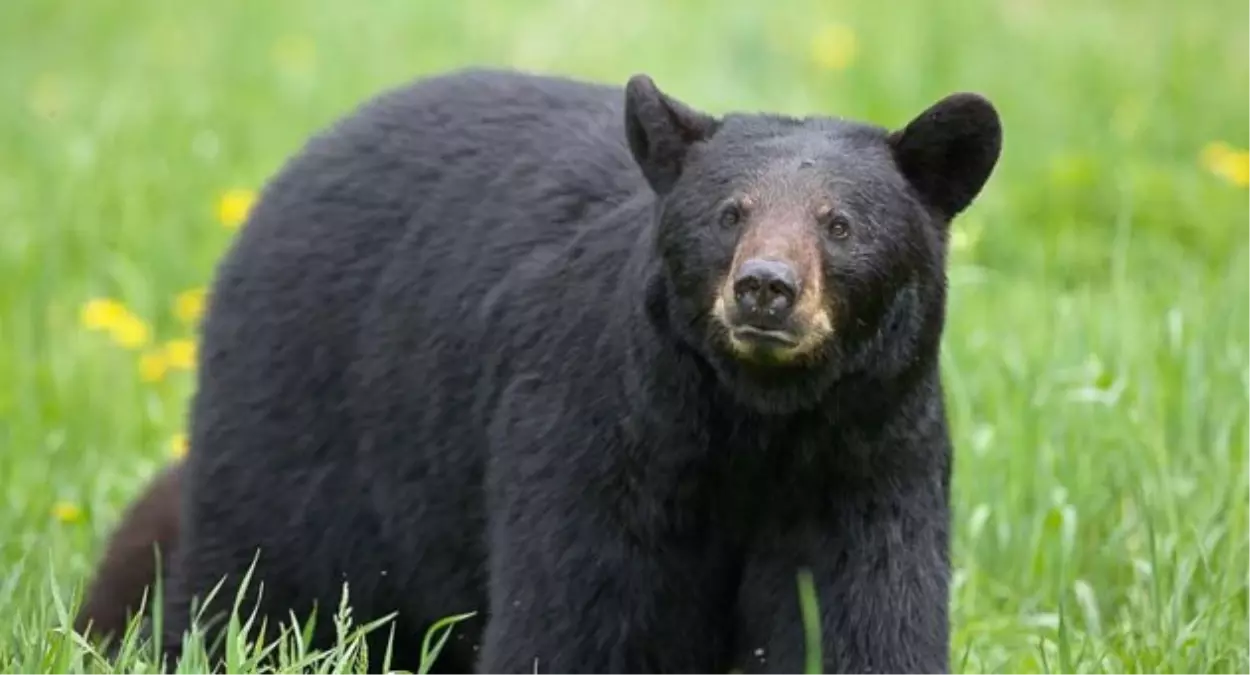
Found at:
(476, 351)
(138, 550)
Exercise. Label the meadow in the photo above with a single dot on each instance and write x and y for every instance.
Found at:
(1096, 356)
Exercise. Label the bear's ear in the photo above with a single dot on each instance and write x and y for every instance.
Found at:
(949, 151)
(661, 130)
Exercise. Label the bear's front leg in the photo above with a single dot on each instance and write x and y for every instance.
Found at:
(880, 571)
(600, 560)
(591, 574)
(572, 591)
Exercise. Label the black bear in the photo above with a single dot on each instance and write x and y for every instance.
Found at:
(124, 582)
(602, 368)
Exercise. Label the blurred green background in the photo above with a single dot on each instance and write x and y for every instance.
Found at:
(1096, 356)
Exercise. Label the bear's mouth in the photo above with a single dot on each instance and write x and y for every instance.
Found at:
(761, 338)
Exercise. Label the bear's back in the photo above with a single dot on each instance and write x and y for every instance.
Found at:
(445, 187)
(474, 149)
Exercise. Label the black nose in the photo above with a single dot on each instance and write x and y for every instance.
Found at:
(765, 291)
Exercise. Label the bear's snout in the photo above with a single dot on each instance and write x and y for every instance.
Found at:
(771, 303)
(764, 293)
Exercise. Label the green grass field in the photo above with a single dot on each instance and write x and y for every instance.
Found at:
(1096, 355)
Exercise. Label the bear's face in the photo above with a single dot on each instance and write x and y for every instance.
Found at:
(797, 252)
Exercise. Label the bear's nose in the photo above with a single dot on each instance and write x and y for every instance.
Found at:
(765, 291)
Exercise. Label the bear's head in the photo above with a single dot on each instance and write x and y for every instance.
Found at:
(800, 252)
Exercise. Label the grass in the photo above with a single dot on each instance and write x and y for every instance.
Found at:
(1096, 357)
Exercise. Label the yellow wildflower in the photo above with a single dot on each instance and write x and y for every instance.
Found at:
(189, 305)
(234, 205)
(833, 47)
(180, 354)
(1232, 165)
(1238, 171)
(102, 314)
(178, 446)
(129, 331)
(1214, 152)
(67, 512)
(153, 366)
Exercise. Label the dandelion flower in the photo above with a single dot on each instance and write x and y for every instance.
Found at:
(1237, 171)
(178, 446)
(129, 331)
(1215, 153)
(833, 47)
(153, 366)
(126, 329)
(180, 354)
(189, 305)
(67, 512)
(102, 314)
(233, 207)
(1229, 164)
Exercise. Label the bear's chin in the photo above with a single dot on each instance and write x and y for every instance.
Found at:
(773, 383)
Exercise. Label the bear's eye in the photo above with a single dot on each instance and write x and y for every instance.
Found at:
(839, 227)
(731, 215)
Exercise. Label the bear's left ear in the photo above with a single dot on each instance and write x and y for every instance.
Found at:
(660, 130)
(949, 151)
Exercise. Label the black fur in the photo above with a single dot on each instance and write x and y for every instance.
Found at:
(461, 358)
(138, 551)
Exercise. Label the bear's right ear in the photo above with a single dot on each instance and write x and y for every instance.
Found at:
(948, 151)
(661, 130)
